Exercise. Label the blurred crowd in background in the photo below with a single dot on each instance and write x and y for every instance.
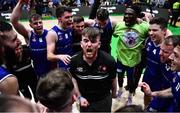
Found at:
(43, 5)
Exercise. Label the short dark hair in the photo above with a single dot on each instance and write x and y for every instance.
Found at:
(55, 89)
(35, 17)
(102, 14)
(78, 19)
(61, 9)
(176, 40)
(172, 40)
(91, 32)
(162, 22)
(4, 27)
(130, 108)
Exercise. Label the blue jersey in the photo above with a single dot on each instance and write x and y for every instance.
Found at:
(63, 44)
(106, 36)
(167, 75)
(4, 74)
(157, 76)
(176, 90)
(152, 74)
(163, 104)
(38, 46)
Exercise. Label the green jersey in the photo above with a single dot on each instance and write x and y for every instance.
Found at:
(176, 5)
(130, 42)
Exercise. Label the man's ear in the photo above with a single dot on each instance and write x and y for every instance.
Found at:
(59, 19)
(1, 33)
(30, 24)
(165, 31)
(81, 44)
(168, 32)
(74, 97)
(99, 44)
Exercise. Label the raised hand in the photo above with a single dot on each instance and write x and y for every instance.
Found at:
(146, 88)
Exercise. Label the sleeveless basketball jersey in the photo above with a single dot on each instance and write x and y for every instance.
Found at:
(152, 56)
(63, 44)
(167, 75)
(176, 89)
(106, 36)
(163, 104)
(152, 74)
(4, 74)
(38, 46)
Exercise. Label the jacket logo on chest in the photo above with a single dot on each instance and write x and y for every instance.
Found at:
(66, 36)
(34, 39)
(80, 69)
(102, 68)
(40, 39)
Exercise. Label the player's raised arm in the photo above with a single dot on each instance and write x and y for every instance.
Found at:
(15, 16)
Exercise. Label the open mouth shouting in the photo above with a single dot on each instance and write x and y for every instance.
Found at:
(89, 51)
(69, 24)
(39, 29)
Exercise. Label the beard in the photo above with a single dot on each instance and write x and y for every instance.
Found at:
(1, 60)
(129, 22)
(10, 57)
